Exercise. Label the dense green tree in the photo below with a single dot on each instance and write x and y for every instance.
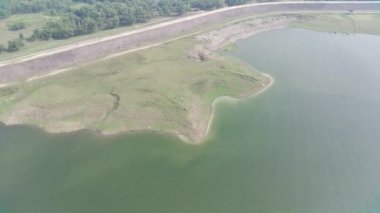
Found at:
(87, 11)
(173, 7)
(182, 7)
(236, 2)
(41, 34)
(86, 26)
(61, 29)
(126, 14)
(141, 15)
(207, 5)
(25, 6)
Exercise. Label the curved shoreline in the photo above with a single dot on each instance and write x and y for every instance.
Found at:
(221, 99)
(183, 138)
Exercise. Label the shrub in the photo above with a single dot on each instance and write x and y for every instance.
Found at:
(16, 26)
(14, 45)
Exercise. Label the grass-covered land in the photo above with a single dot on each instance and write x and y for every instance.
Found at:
(343, 23)
(18, 27)
(30, 22)
(160, 89)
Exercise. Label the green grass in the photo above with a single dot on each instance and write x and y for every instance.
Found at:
(350, 23)
(159, 89)
(32, 21)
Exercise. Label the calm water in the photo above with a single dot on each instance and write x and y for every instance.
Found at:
(310, 144)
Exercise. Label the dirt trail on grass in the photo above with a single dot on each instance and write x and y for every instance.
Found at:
(41, 64)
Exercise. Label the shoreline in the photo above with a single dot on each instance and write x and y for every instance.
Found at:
(183, 138)
(220, 99)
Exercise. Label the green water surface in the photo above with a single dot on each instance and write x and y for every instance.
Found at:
(309, 144)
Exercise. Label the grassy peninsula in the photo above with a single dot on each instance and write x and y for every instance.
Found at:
(159, 89)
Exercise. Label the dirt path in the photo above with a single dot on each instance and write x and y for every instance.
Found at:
(43, 63)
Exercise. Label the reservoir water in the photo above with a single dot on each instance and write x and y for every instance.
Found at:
(309, 144)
